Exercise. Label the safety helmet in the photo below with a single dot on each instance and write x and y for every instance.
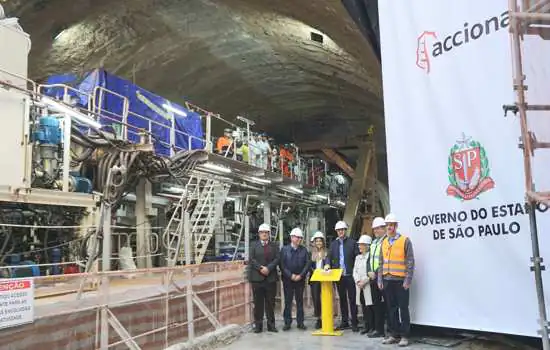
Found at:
(318, 234)
(341, 225)
(364, 239)
(297, 232)
(390, 218)
(264, 228)
(378, 222)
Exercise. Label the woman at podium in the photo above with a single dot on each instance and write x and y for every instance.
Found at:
(319, 260)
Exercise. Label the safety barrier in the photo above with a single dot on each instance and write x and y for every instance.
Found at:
(140, 309)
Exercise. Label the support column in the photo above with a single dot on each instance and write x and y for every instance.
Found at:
(358, 184)
(144, 208)
(247, 291)
(106, 266)
(267, 212)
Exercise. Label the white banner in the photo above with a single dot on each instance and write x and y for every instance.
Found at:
(456, 174)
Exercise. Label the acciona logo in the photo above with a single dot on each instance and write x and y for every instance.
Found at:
(430, 46)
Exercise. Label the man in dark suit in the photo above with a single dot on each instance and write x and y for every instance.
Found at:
(294, 268)
(264, 259)
(342, 253)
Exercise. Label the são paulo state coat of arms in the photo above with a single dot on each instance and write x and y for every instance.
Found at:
(468, 170)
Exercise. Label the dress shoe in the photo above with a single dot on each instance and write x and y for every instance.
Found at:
(355, 328)
(375, 334)
(318, 324)
(272, 330)
(286, 327)
(302, 327)
(342, 326)
(257, 330)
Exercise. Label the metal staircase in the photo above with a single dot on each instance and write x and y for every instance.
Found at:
(207, 214)
(209, 196)
(241, 218)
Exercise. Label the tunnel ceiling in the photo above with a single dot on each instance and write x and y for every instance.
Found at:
(253, 58)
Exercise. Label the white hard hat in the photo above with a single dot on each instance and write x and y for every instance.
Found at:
(340, 225)
(378, 222)
(318, 234)
(264, 228)
(364, 239)
(297, 232)
(390, 218)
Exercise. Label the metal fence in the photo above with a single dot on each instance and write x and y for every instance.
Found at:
(140, 309)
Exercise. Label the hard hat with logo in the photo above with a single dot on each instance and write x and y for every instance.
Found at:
(364, 239)
(390, 218)
(378, 222)
(264, 228)
(318, 234)
(297, 232)
(341, 225)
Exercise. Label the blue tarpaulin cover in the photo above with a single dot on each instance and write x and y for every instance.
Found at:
(188, 124)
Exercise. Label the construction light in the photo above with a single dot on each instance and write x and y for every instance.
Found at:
(295, 189)
(215, 167)
(320, 196)
(174, 110)
(258, 180)
(64, 109)
(340, 203)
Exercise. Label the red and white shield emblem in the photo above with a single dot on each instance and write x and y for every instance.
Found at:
(467, 167)
(468, 170)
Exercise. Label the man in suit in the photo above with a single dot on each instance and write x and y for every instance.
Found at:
(264, 259)
(294, 268)
(342, 253)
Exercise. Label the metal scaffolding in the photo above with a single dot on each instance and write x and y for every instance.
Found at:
(529, 20)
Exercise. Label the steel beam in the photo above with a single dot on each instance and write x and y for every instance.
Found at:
(359, 183)
(339, 160)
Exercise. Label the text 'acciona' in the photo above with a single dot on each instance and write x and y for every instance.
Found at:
(470, 33)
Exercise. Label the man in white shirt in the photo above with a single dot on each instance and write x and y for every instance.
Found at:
(252, 150)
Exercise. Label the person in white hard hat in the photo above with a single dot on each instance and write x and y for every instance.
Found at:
(264, 259)
(362, 281)
(319, 260)
(294, 268)
(378, 309)
(342, 253)
(395, 276)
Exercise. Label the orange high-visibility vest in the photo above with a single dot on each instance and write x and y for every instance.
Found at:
(394, 257)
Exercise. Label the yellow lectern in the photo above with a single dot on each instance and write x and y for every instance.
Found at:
(326, 278)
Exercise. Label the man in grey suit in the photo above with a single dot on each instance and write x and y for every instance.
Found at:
(264, 259)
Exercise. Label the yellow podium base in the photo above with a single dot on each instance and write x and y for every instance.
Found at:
(333, 333)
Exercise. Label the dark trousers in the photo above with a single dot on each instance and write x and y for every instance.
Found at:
(264, 300)
(397, 302)
(368, 316)
(378, 309)
(316, 296)
(346, 292)
(294, 290)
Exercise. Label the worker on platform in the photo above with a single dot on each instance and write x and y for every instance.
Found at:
(224, 144)
(264, 259)
(294, 268)
(378, 308)
(253, 150)
(361, 269)
(342, 253)
(265, 150)
(395, 276)
(319, 261)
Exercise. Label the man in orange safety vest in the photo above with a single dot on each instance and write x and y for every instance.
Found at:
(395, 274)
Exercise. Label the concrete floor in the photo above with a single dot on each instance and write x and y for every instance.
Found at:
(303, 340)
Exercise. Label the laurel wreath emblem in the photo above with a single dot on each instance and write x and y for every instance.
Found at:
(483, 160)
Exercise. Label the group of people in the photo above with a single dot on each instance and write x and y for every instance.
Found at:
(259, 150)
(377, 276)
